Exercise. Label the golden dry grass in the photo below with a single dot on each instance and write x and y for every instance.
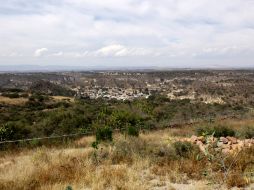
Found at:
(140, 163)
(22, 101)
(237, 124)
(13, 101)
(63, 98)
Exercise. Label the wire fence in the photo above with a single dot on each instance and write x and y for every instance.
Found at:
(42, 138)
(248, 174)
(172, 124)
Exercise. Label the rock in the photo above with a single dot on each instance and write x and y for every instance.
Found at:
(219, 144)
(240, 144)
(247, 143)
(222, 145)
(226, 151)
(224, 140)
(183, 140)
(202, 139)
(199, 143)
(201, 146)
(250, 141)
(236, 147)
(225, 146)
(194, 139)
(232, 139)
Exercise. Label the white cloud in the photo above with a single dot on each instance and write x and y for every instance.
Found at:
(112, 50)
(58, 54)
(118, 50)
(40, 52)
(163, 29)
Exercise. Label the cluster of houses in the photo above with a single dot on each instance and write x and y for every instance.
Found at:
(111, 93)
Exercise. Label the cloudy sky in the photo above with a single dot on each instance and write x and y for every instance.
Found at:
(127, 33)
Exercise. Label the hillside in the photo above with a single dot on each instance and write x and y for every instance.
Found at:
(46, 87)
(127, 130)
(154, 160)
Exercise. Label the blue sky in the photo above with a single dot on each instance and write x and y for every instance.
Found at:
(128, 33)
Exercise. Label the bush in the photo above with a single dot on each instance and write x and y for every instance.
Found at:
(120, 118)
(183, 149)
(24, 95)
(104, 134)
(247, 132)
(11, 95)
(132, 131)
(217, 131)
(69, 188)
(125, 150)
(13, 131)
(5, 133)
(223, 131)
(62, 121)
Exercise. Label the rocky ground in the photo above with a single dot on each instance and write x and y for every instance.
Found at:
(226, 145)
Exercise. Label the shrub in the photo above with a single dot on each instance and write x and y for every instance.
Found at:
(247, 132)
(5, 133)
(120, 118)
(125, 150)
(183, 149)
(24, 95)
(69, 188)
(223, 131)
(62, 121)
(104, 134)
(218, 131)
(132, 131)
(162, 154)
(35, 143)
(122, 152)
(11, 95)
(13, 131)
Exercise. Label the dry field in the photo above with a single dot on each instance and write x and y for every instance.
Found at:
(22, 101)
(62, 98)
(13, 101)
(145, 162)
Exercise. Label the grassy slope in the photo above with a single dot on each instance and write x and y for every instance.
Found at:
(134, 163)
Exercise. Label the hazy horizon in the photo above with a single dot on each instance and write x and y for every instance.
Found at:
(57, 68)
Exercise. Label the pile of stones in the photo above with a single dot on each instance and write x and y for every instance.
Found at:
(227, 145)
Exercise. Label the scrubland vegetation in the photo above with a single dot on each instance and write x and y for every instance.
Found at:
(145, 143)
(153, 160)
(41, 115)
(136, 145)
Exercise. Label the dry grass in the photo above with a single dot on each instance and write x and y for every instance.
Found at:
(63, 98)
(13, 101)
(22, 101)
(147, 162)
(236, 123)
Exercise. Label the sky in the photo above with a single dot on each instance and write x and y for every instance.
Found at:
(127, 33)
